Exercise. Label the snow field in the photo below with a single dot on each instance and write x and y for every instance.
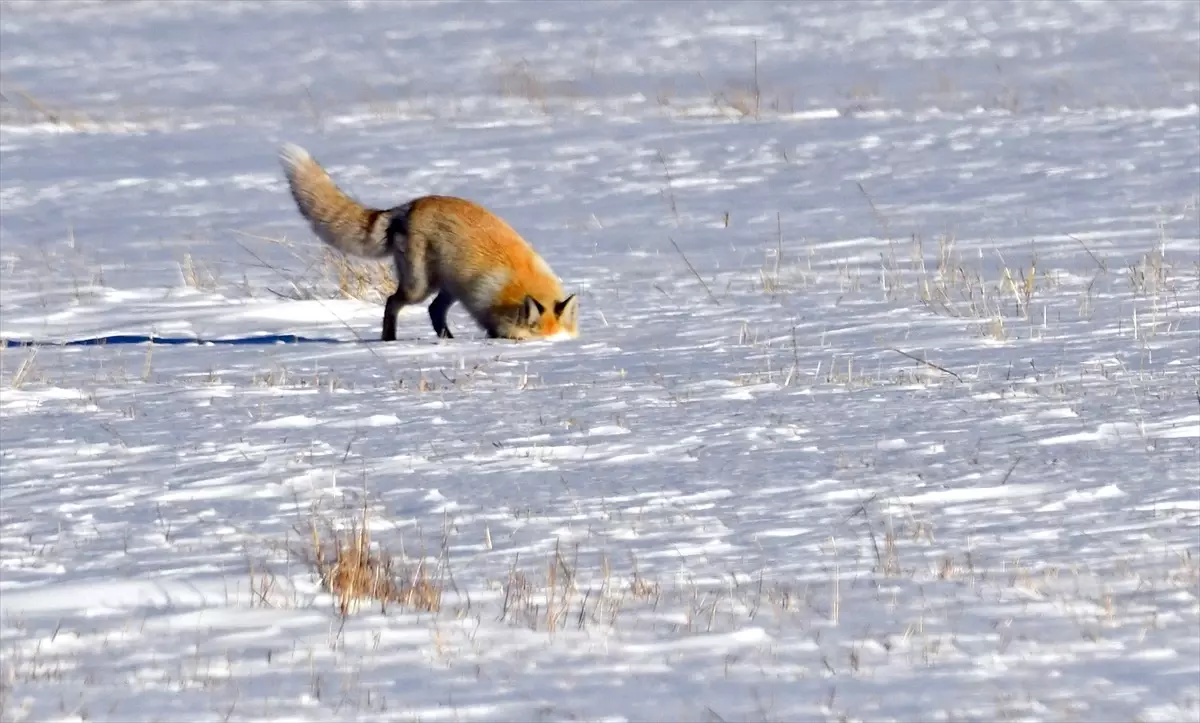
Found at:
(884, 408)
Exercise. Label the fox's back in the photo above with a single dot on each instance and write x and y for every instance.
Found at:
(471, 244)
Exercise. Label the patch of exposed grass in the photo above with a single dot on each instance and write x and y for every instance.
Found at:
(354, 570)
(326, 273)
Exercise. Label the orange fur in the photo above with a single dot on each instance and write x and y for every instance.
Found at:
(441, 244)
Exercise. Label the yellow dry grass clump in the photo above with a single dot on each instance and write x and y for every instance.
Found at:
(352, 571)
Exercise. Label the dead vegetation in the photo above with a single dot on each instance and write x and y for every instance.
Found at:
(555, 597)
(355, 571)
(32, 108)
(325, 272)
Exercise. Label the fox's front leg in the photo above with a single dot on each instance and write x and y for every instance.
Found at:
(437, 314)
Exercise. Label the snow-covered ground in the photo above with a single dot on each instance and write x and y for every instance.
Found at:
(886, 407)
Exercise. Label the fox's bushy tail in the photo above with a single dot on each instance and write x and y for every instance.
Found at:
(337, 219)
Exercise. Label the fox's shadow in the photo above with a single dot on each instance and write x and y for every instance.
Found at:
(260, 340)
(121, 339)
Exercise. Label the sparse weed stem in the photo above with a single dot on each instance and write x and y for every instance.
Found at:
(196, 274)
(27, 370)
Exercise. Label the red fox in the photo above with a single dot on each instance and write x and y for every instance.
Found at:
(441, 244)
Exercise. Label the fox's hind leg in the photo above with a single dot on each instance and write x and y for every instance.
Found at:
(395, 303)
(437, 314)
(413, 285)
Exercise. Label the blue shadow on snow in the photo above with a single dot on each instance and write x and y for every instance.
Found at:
(178, 340)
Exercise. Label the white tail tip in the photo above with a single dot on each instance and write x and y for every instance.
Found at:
(293, 156)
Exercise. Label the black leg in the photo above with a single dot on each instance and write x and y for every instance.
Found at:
(437, 314)
(395, 302)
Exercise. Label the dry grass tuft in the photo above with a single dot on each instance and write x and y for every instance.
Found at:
(360, 279)
(520, 81)
(42, 110)
(327, 273)
(354, 570)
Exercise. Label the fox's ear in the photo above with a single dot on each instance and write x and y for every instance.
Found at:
(531, 311)
(567, 310)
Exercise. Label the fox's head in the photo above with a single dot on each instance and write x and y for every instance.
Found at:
(536, 321)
